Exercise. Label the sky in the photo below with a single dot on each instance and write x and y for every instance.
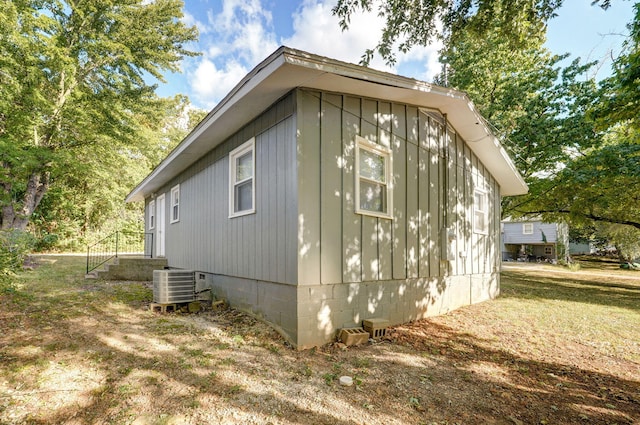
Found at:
(236, 35)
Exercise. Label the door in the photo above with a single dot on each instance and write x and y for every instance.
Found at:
(160, 220)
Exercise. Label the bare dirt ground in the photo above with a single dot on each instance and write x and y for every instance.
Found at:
(555, 348)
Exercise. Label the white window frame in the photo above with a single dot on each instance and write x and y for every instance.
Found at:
(481, 210)
(248, 146)
(548, 250)
(527, 228)
(175, 204)
(385, 152)
(152, 214)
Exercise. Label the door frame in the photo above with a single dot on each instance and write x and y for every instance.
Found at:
(161, 214)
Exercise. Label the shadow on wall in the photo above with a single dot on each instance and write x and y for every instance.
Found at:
(363, 265)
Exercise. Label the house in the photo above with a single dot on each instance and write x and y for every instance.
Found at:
(319, 193)
(534, 240)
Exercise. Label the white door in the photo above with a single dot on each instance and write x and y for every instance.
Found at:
(160, 219)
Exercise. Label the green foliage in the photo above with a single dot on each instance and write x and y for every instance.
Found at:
(86, 203)
(329, 378)
(419, 23)
(575, 143)
(536, 106)
(621, 92)
(73, 98)
(578, 168)
(602, 236)
(14, 247)
(625, 240)
(574, 267)
(601, 185)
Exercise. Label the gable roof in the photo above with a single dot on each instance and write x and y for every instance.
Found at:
(287, 68)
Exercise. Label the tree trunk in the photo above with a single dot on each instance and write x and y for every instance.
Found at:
(17, 215)
(8, 213)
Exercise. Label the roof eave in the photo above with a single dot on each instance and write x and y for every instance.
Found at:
(287, 69)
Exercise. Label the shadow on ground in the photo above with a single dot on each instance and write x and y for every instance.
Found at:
(89, 353)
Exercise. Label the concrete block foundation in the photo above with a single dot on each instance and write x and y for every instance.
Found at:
(313, 315)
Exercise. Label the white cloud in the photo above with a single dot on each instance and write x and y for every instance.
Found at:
(210, 84)
(232, 8)
(255, 43)
(424, 58)
(244, 28)
(238, 39)
(241, 35)
(191, 20)
(317, 31)
(421, 62)
(214, 51)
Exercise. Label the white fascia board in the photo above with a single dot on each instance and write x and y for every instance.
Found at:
(195, 144)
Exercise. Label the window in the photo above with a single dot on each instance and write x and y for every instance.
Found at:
(480, 212)
(242, 180)
(175, 203)
(152, 215)
(527, 228)
(373, 179)
(548, 250)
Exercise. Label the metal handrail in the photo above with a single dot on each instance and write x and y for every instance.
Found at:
(117, 243)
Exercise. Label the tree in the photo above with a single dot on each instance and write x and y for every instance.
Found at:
(493, 50)
(544, 114)
(600, 184)
(420, 22)
(625, 240)
(575, 143)
(621, 92)
(80, 207)
(536, 107)
(72, 87)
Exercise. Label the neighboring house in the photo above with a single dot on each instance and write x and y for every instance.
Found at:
(319, 193)
(534, 240)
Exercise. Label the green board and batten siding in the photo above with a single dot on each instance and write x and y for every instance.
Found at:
(305, 261)
(434, 178)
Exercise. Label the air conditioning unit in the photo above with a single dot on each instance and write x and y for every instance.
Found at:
(173, 286)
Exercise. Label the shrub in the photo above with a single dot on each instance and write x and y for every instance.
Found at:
(47, 242)
(14, 247)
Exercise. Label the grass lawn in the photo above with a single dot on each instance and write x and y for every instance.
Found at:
(556, 348)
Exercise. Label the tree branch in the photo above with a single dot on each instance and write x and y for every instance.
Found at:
(590, 216)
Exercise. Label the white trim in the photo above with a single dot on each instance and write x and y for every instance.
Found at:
(161, 217)
(383, 151)
(484, 211)
(527, 228)
(175, 189)
(247, 147)
(152, 214)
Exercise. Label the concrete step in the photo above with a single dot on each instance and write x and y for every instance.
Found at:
(129, 268)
